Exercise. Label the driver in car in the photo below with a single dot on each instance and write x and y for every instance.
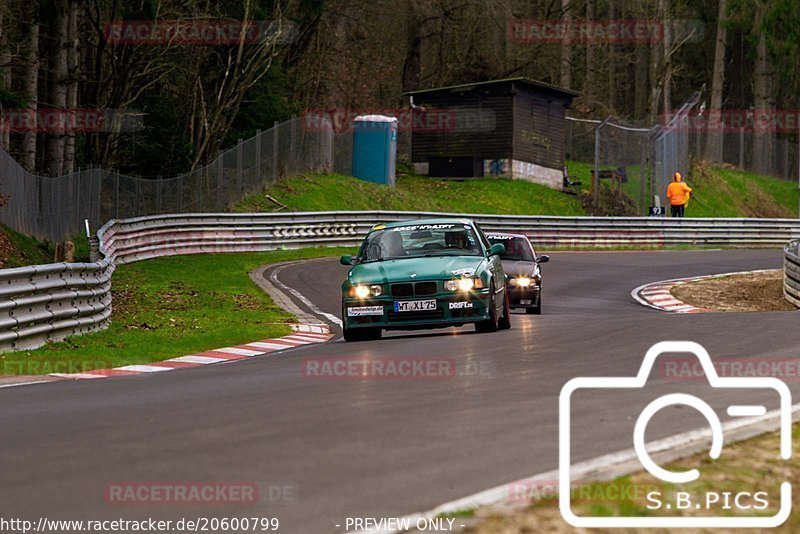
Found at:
(457, 239)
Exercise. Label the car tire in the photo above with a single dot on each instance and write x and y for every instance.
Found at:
(505, 320)
(361, 334)
(538, 309)
(489, 325)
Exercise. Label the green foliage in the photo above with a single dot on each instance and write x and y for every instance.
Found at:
(171, 307)
(320, 192)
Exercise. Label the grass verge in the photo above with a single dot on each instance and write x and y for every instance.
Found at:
(747, 466)
(171, 307)
(322, 192)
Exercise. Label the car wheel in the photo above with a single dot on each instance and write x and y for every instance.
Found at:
(490, 324)
(362, 334)
(505, 320)
(538, 309)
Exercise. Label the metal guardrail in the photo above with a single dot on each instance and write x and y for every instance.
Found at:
(51, 302)
(148, 237)
(44, 303)
(791, 272)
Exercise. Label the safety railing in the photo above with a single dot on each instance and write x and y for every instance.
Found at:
(791, 272)
(44, 303)
(50, 302)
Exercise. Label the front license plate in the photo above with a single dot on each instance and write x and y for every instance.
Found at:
(525, 301)
(414, 305)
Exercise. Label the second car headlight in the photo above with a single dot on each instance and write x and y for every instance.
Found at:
(463, 284)
(522, 281)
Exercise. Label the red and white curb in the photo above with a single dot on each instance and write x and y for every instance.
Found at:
(658, 295)
(304, 334)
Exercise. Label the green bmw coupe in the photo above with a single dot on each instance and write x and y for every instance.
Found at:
(426, 273)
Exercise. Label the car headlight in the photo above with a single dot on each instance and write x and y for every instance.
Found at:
(363, 291)
(522, 281)
(463, 284)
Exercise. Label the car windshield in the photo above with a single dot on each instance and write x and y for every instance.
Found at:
(517, 248)
(420, 240)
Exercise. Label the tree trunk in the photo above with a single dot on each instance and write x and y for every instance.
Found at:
(72, 83)
(412, 65)
(640, 84)
(54, 147)
(5, 84)
(566, 48)
(589, 84)
(763, 109)
(31, 89)
(664, 8)
(714, 139)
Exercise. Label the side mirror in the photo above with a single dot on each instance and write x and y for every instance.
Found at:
(347, 259)
(544, 258)
(497, 249)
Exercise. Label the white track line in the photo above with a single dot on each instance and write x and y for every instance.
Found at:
(273, 277)
(583, 470)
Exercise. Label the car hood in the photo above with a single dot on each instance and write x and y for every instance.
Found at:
(400, 270)
(518, 268)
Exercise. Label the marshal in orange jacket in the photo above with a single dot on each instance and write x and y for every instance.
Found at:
(678, 192)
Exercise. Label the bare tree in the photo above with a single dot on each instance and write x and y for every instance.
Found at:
(54, 145)
(713, 150)
(5, 83)
(763, 107)
(31, 91)
(566, 48)
(72, 82)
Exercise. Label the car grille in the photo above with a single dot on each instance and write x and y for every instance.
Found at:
(425, 288)
(419, 289)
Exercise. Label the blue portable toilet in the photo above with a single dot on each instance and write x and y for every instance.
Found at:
(375, 148)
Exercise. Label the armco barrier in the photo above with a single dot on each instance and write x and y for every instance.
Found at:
(51, 302)
(791, 272)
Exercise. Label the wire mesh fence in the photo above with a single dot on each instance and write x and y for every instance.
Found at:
(55, 208)
(633, 164)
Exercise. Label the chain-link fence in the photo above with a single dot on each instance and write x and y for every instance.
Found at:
(55, 208)
(766, 154)
(633, 164)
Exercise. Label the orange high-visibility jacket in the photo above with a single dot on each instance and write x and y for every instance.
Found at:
(678, 193)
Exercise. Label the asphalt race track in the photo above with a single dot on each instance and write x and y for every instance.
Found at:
(377, 447)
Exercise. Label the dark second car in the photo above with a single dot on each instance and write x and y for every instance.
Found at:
(521, 265)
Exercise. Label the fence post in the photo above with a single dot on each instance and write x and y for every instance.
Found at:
(220, 189)
(239, 169)
(221, 178)
(158, 194)
(258, 157)
(741, 148)
(180, 193)
(275, 141)
(642, 172)
(292, 147)
(116, 194)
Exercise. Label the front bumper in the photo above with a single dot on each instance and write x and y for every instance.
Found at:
(523, 297)
(452, 309)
